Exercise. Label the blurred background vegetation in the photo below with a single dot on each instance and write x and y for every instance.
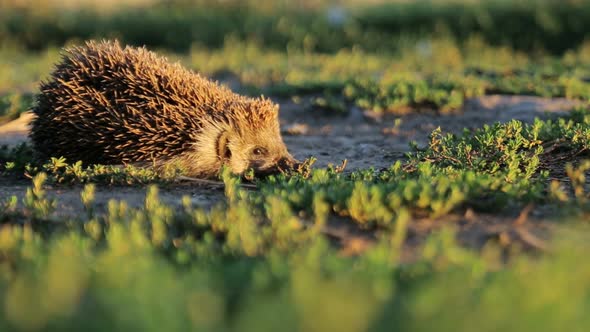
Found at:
(312, 25)
(385, 56)
(259, 261)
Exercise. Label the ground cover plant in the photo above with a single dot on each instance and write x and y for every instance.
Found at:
(482, 228)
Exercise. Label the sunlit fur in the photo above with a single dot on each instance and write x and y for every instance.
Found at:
(107, 104)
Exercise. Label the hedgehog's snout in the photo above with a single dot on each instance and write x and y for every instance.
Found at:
(286, 164)
(282, 165)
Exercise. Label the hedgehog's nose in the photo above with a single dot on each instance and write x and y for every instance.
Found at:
(288, 164)
(283, 165)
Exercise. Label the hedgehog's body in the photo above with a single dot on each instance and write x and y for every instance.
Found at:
(105, 104)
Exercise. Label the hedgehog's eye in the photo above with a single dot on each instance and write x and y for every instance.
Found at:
(258, 151)
(227, 153)
(223, 150)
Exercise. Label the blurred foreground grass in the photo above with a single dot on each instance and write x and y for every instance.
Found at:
(136, 278)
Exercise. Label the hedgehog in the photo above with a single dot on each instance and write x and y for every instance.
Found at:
(108, 104)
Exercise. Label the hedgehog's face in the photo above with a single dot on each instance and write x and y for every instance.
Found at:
(262, 150)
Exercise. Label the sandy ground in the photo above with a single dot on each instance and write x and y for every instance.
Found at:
(365, 141)
(362, 141)
(15, 132)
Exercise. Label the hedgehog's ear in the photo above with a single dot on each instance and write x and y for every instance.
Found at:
(223, 150)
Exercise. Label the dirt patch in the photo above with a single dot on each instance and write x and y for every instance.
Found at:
(377, 142)
(16, 131)
(69, 204)
(524, 229)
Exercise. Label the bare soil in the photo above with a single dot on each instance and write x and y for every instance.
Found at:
(369, 141)
(365, 140)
